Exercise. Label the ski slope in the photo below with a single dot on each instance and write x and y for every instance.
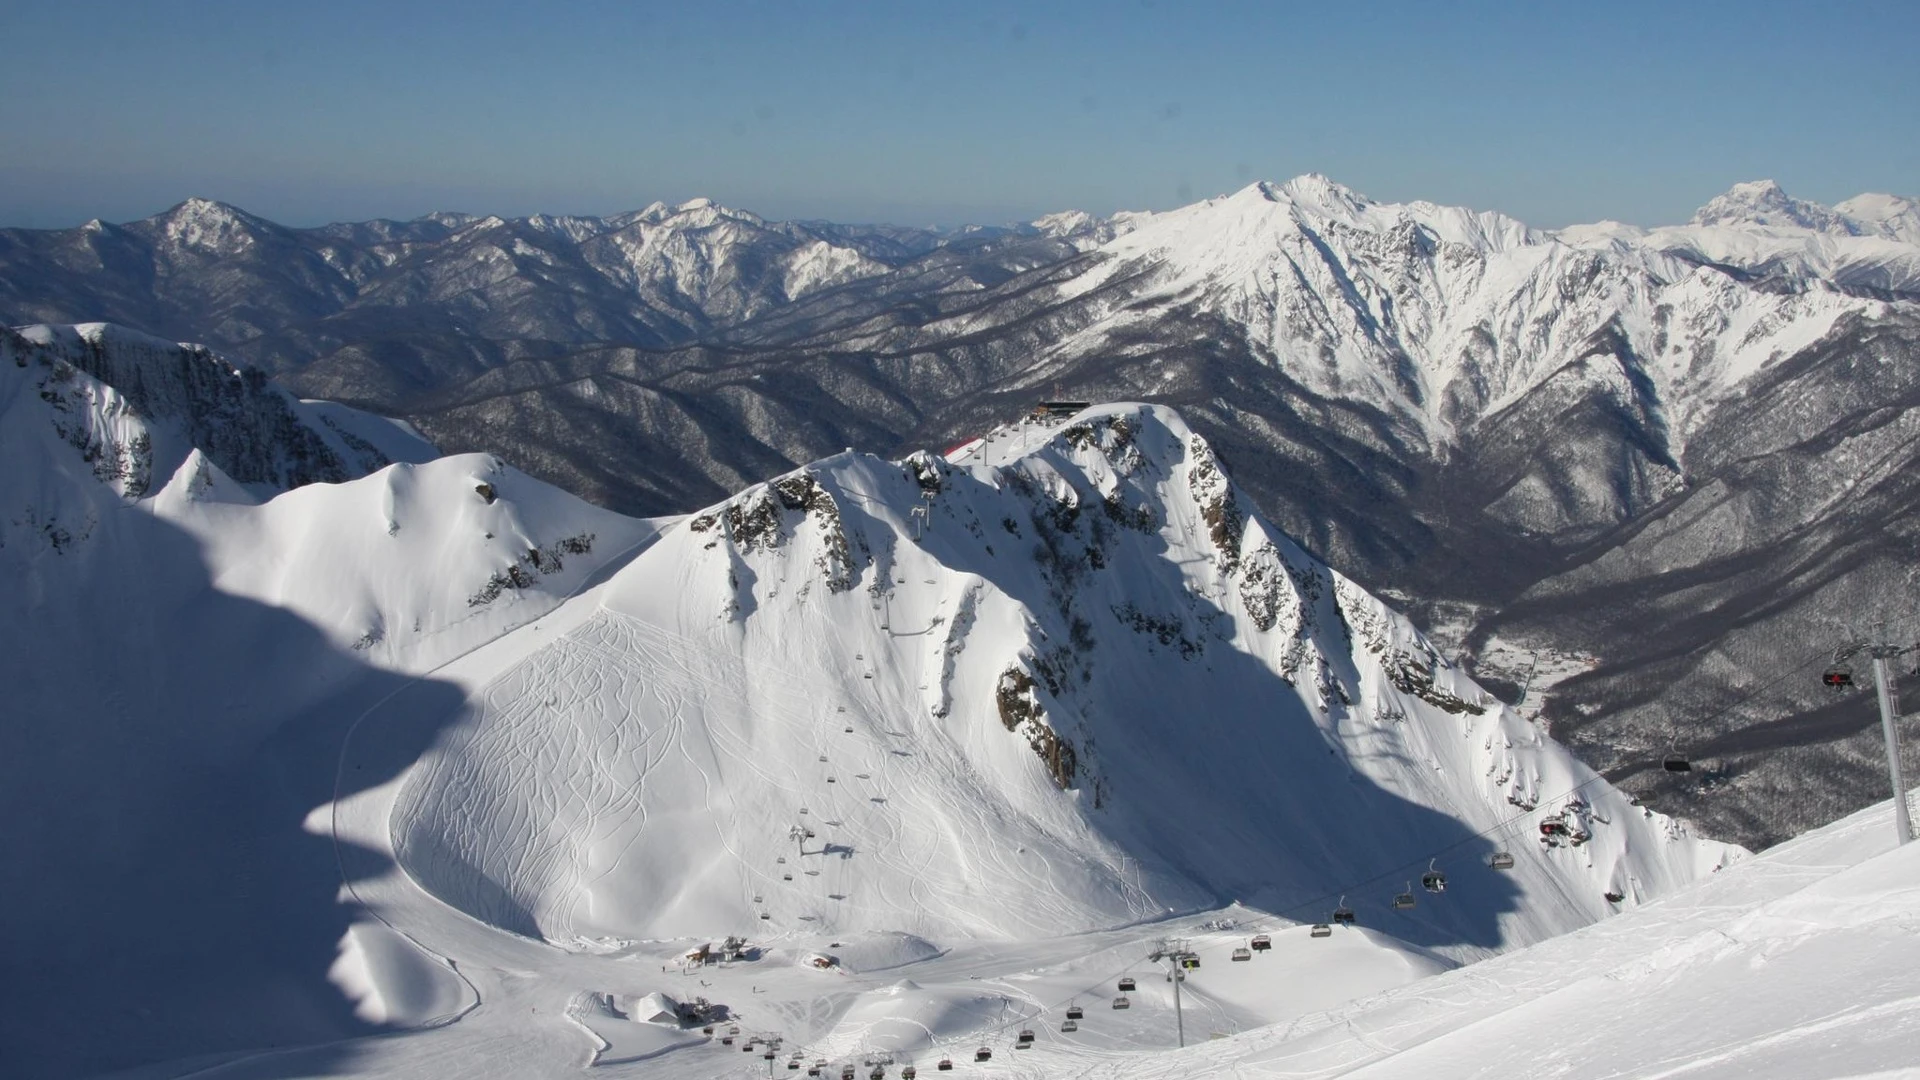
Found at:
(1030, 721)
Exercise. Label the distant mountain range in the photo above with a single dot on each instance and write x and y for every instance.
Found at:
(1633, 474)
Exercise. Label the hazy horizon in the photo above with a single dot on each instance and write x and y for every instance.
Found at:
(1555, 115)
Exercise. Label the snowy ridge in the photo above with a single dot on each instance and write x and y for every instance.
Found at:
(1096, 688)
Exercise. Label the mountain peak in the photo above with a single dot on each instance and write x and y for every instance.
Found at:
(210, 225)
(1765, 203)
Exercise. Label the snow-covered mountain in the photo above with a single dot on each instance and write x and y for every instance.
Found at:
(1071, 682)
(271, 703)
(1445, 403)
(207, 579)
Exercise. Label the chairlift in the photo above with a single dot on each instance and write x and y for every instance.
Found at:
(848, 730)
(879, 1073)
(1262, 943)
(1433, 880)
(1342, 914)
(1321, 929)
(1839, 676)
(1026, 1036)
(823, 759)
(794, 1066)
(846, 1072)
(985, 1053)
(1553, 827)
(1189, 962)
(1501, 860)
(946, 1065)
(786, 877)
(831, 780)
(1126, 984)
(1070, 1025)
(1243, 954)
(1075, 1012)
(1676, 763)
(1122, 1003)
(909, 1073)
(1404, 900)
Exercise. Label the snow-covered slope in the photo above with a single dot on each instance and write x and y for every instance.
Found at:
(1796, 964)
(1072, 683)
(207, 580)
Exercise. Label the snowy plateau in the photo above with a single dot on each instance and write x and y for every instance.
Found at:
(327, 753)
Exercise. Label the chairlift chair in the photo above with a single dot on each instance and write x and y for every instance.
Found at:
(1838, 677)
(1343, 914)
(1070, 1025)
(1404, 900)
(946, 1065)
(1121, 1002)
(985, 1053)
(1126, 984)
(1433, 880)
(1075, 1012)
(1026, 1036)
(1501, 861)
(1676, 763)
(1189, 962)
(1321, 929)
(1243, 954)
(1262, 943)
(909, 1073)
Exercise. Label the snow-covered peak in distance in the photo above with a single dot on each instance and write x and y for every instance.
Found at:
(1762, 202)
(1868, 243)
(1891, 216)
(1070, 682)
(212, 227)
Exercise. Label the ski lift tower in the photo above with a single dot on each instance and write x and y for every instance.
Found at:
(1840, 677)
(1179, 958)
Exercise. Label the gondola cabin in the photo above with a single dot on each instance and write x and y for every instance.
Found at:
(1321, 929)
(1262, 943)
(1243, 954)
(1501, 861)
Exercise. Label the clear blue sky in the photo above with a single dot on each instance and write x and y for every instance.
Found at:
(1553, 111)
